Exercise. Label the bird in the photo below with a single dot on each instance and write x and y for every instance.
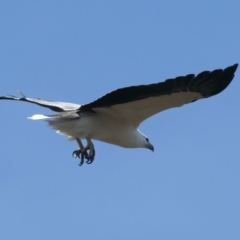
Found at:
(115, 117)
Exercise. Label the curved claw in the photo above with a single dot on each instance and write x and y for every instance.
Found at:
(81, 162)
(89, 162)
(76, 153)
(83, 153)
(91, 157)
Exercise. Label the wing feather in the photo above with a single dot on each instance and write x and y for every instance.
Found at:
(55, 106)
(135, 104)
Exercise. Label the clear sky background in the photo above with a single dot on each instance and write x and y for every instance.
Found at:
(76, 51)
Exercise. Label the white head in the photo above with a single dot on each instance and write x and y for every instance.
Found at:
(145, 143)
(139, 140)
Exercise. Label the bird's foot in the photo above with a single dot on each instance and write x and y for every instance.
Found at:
(82, 154)
(85, 153)
(91, 155)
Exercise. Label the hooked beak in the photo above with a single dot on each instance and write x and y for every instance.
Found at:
(150, 146)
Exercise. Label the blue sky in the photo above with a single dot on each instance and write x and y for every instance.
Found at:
(76, 51)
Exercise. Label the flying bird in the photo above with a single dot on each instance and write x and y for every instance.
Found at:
(115, 117)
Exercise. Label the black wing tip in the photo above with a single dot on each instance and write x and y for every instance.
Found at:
(219, 82)
(231, 69)
(12, 97)
(235, 66)
(25, 99)
(9, 97)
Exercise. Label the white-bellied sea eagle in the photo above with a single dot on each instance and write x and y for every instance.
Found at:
(115, 117)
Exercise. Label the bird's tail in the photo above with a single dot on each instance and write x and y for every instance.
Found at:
(64, 122)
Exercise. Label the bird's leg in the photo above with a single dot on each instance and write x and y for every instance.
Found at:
(81, 152)
(91, 149)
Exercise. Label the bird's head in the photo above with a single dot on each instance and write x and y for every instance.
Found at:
(143, 141)
(136, 139)
(148, 145)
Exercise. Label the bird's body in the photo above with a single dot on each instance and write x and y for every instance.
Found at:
(94, 126)
(115, 117)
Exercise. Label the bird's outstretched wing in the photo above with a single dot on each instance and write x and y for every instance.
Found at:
(135, 104)
(55, 106)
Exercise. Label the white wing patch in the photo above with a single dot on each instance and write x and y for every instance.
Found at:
(137, 111)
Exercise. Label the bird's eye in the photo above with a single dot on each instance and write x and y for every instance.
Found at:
(147, 139)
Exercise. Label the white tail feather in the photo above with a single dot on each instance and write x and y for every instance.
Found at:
(38, 117)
